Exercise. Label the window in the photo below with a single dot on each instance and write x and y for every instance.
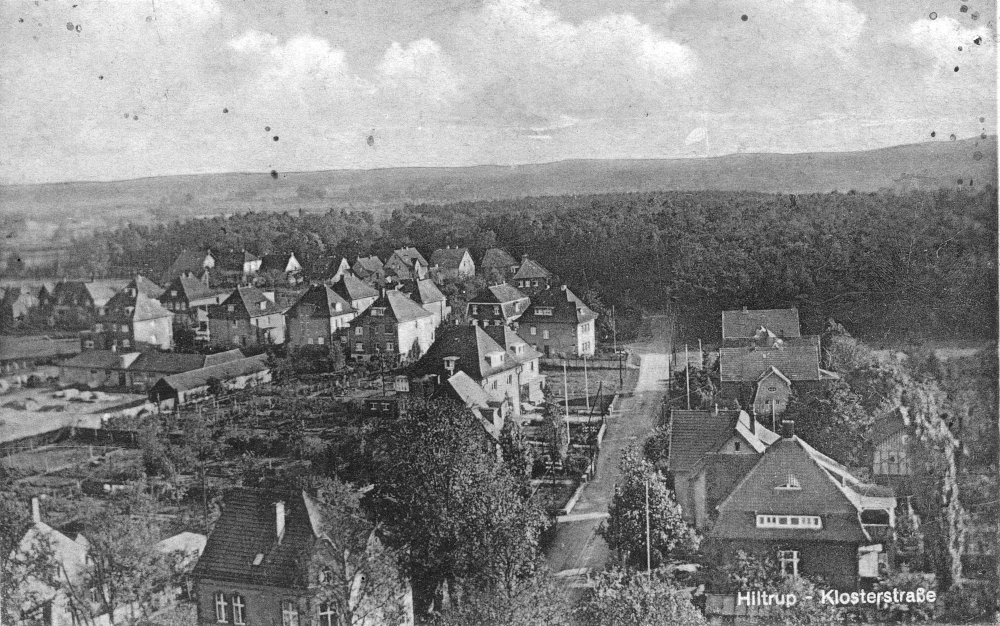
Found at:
(544, 311)
(359, 347)
(534, 283)
(238, 608)
(804, 522)
(789, 562)
(310, 340)
(533, 331)
(326, 615)
(359, 331)
(389, 346)
(93, 595)
(772, 389)
(220, 608)
(736, 446)
(231, 308)
(517, 307)
(124, 328)
(475, 309)
(545, 334)
(88, 344)
(319, 340)
(98, 328)
(510, 379)
(173, 293)
(378, 312)
(496, 310)
(494, 385)
(125, 343)
(791, 484)
(289, 613)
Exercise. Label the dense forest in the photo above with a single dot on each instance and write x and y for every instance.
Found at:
(886, 265)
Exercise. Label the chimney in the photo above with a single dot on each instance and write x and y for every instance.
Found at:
(279, 519)
(715, 410)
(744, 309)
(787, 429)
(36, 514)
(524, 257)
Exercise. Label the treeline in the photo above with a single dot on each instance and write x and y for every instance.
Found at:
(886, 265)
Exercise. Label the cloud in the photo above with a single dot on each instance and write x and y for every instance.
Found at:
(941, 37)
(418, 72)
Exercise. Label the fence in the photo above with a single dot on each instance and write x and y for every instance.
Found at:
(598, 363)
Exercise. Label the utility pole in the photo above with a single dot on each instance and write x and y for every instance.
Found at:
(701, 355)
(687, 375)
(614, 328)
(565, 392)
(586, 382)
(649, 560)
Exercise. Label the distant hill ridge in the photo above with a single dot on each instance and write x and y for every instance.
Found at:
(967, 163)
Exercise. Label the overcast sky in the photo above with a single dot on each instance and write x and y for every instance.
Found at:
(101, 89)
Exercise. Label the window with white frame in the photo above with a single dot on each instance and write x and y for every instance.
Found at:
(534, 331)
(289, 613)
(359, 347)
(319, 341)
(359, 331)
(221, 615)
(545, 334)
(789, 560)
(803, 522)
(389, 346)
(239, 608)
(326, 615)
(791, 484)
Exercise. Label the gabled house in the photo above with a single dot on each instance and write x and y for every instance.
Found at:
(531, 276)
(79, 303)
(271, 559)
(462, 389)
(498, 265)
(394, 326)
(318, 317)
(284, 263)
(247, 318)
(336, 269)
(708, 453)
(147, 287)
(453, 263)
(406, 264)
(134, 371)
(196, 384)
(471, 350)
(239, 266)
(131, 320)
(189, 299)
(530, 378)
(559, 324)
(807, 511)
(764, 368)
(744, 324)
(426, 294)
(370, 269)
(360, 294)
(190, 263)
(17, 302)
(497, 305)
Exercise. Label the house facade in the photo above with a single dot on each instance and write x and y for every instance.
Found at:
(497, 305)
(426, 294)
(498, 265)
(406, 264)
(189, 298)
(559, 325)
(284, 263)
(319, 317)
(453, 263)
(394, 326)
(531, 277)
(80, 303)
(190, 263)
(246, 319)
(270, 560)
(360, 294)
(131, 320)
(530, 379)
(369, 269)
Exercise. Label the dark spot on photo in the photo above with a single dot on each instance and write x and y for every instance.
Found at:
(744, 17)
(135, 117)
(126, 116)
(933, 15)
(975, 15)
(371, 140)
(274, 174)
(79, 28)
(69, 25)
(964, 9)
(977, 40)
(983, 136)
(952, 137)
(267, 129)
(960, 181)
(933, 133)
(100, 78)
(956, 68)
(275, 137)
(977, 155)
(960, 48)
(21, 20)
(225, 110)
(982, 119)
(149, 19)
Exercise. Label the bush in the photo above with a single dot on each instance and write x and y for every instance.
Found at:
(969, 601)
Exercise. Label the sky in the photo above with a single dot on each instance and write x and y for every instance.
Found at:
(119, 89)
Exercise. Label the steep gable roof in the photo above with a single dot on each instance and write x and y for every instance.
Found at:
(566, 307)
(409, 255)
(505, 336)
(321, 300)
(449, 258)
(352, 288)
(398, 306)
(531, 269)
(187, 287)
(497, 257)
(187, 262)
(368, 264)
(193, 379)
(249, 299)
(796, 358)
(471, 344)
(744, 323)
(819, 494)
(693, 434)
(142, 306)
(277, 262)
(426, 292)
(248, 527)
(102, 291)
(147, 287)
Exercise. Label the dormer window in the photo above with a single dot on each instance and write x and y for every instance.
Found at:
(263, 306)
(802, 522)
(449, 364)
(544, 311)
(791, 484)
(173, 293)
(231, 308)
(338, 307)
(496, 310)
(378, 311)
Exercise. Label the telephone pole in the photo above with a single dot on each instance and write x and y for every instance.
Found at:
(687, 375)
(649, 560)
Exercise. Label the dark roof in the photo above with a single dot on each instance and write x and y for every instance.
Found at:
(744, 323)
(147, 287)
(352, 288)
(250, 299)
(367, 265)
(497, 257)
(819, 495)
(409, 255)
(398, 307)
(143, 307)
(449, 258)
(275, 262)
(94, 359)
(887, 426)
(505, 336)
(566, 307)
(34, 347)
(797, 359)
(470, 344)
(188, 287)
(531, 269)
(167, 362)
(320, 300)
(248, 527)
(187, 262)
(693, 434)
(424, 291)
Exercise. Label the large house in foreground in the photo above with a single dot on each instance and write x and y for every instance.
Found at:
(318, 317)
(277, 558)
(809, 513)
(559, 325)
(131, 319)
(497, 305)
(394, 326)
(246, 319)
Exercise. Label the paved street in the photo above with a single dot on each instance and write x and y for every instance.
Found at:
(577, 547)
